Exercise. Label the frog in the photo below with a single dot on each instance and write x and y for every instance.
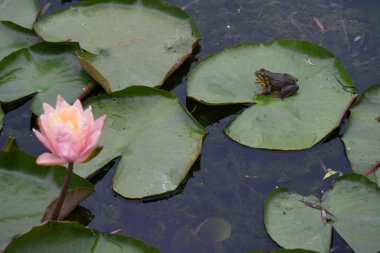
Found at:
(283, 83)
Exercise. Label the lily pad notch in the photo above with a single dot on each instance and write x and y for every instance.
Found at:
(157, 138)
(124, 43)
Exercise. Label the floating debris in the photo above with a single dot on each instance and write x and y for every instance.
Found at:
(319, 24)
(189, 4)
(330, 172)
(308, 61)
(44, 9)
(357, 38)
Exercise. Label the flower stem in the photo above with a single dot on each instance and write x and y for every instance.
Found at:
(372, 169)
(62, 195)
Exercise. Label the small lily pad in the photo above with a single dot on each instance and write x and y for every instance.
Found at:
(354, 202)
(14, 37)
(46, 69)
(292, 224)
(362, 149)
(54, 237)
(125, 43)
(296, 122)
(21, 12)
(27, 189)
(157, 139)
(351, 207)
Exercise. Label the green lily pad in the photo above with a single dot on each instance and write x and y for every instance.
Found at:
(292, 224)
(46, 69)
(127, 42)
(27, 189)
(297, 122)
(11, 145)
(71, 237)
(155, 135)
(13, 38)
(21, 12)
(355, 203)
(362, 149)
(352, 209)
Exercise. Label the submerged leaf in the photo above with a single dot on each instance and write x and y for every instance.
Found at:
(157, 138)
(296, 122)
(125, 43)
(362, 149)
(213, 230)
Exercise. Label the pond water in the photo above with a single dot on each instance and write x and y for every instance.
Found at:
(229, 180)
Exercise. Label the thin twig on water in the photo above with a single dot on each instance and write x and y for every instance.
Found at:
(319, 24)
(343, 25)
(186, 6)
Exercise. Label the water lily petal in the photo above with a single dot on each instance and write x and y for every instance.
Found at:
(69, 132)
(50, 159)
(60, 100)
(89, 118)
(93, 141)
(77, 104)
(47, 108)
(42, 139)
(99, 123)
(69, 145)
(84, 157)
(48, 131)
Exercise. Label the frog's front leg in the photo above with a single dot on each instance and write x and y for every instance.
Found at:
(267, 91)
(288, 90)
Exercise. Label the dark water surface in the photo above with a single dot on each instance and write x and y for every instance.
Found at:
(229, 180)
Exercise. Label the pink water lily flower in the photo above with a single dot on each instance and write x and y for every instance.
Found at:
(69, 132)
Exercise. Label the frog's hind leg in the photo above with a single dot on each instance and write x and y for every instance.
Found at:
(288, 91)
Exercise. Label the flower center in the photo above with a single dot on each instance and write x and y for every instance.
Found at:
(70, 117)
